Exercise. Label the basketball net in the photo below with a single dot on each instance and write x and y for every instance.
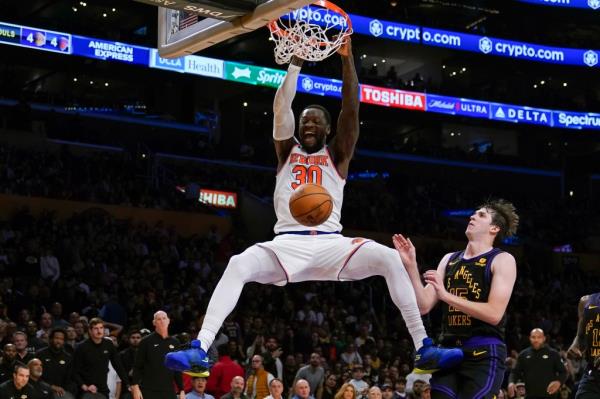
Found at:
(312, 33)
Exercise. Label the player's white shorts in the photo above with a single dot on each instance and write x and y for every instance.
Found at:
(313, 257)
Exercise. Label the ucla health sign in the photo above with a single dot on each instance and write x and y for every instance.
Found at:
(105, 50)
(204, 66)
(589, 4)
(319, 86)
(170, 64)
(193, 64)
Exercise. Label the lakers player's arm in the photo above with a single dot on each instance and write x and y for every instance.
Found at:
(347, 129)
(578, 346)
(426, 294)
(504, 274)
(283, 116)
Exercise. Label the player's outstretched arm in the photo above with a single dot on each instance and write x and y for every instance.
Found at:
(283, 116)
(426, 295)
(347, 124)
(576, 349)
(504, 269)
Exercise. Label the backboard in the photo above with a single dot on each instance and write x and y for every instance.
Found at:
(186, 30)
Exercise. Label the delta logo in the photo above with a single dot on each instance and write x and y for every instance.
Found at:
(219, 199)
(392, 98)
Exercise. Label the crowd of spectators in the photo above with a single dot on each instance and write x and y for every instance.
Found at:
(64, 273)
(398, 202)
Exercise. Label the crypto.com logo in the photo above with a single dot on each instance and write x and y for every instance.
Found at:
(376, 28)
(485, 45)
(590, 58)
(594, 4)
(307, 84)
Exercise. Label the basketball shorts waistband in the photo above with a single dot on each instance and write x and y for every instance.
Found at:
(307, 232)
(472, 342)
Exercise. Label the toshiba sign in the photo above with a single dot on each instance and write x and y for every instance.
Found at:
(220, 199)
(392, 98)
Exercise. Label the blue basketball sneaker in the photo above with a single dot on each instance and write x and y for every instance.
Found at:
(193, 361)
(430, 358)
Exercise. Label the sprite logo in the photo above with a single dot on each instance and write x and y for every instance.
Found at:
(253, 75)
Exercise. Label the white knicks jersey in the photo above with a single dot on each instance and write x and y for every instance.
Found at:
(299, 168)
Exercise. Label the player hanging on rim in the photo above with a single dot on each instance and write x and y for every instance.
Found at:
(297, 254)
(474, 287)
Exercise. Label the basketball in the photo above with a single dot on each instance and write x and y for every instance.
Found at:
(311, 205)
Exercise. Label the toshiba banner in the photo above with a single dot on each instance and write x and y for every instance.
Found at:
(220, 199)
(392, 98)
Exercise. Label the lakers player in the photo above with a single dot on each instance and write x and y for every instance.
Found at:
(587, 344)
(474, 287)
(297, 254)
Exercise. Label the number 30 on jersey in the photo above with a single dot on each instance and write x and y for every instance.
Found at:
(307, 174)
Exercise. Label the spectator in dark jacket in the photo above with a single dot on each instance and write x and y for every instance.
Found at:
(57, 365)
(90, 363)
(539, 367)
(42, 388)
(18, 386)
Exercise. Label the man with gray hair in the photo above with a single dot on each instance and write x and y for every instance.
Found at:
(36, 370)
(20, 341)
(150, 378)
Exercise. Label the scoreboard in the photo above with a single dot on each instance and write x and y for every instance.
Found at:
(40, 39)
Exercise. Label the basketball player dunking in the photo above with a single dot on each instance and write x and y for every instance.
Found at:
(297, 254)
(474, 287)
(587, 344)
